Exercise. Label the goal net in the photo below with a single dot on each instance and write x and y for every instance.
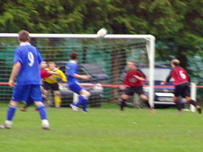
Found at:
(103, 59)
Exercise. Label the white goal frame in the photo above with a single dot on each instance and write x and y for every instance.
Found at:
(150, 47)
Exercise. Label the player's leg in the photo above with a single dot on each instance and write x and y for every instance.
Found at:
(177, 92)
(199, 109)
(140, 92)
(57, 98)
(124, 98)
(36, 95)
(43, 114)
(57, 94)
(83, 98)
(129, 91)
(45, 89)
(44, 94)
(145, 98)
(25, 107)
(177, 103)
(20, 93)
(28, 103)
(10, 114)
(186, 94)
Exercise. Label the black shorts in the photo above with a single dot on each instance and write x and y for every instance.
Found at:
(182, 90)
(52, 86)
(132, 90)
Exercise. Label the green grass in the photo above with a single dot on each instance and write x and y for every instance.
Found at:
(103, 130)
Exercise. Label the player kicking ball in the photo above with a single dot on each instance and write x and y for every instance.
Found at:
(27, 62)
(181, 82)
(72, 76)
(133, 83)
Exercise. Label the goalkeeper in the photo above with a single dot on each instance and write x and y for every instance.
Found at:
(134, 79)
(52, 82)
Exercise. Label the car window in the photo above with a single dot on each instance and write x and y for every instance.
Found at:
(160, 74)
(82, 71)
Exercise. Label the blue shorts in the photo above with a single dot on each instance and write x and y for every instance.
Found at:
(75, 88)
(30, 100)
(27, 93)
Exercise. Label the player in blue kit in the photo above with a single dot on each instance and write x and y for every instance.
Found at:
(72, 76)
(26, 68)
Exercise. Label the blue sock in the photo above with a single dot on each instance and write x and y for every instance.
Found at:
(42, 111)
(85, 105)
(10, 112)
(79, 101)
(84, 102)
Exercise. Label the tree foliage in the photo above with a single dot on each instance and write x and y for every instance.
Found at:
(177, 24)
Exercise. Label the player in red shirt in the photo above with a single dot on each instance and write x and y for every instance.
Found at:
(181, 85)
(133, 83)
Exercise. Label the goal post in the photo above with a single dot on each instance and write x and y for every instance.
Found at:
(115, 40)
(193, 95)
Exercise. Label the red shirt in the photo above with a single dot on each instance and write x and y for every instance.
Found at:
(179, 75)
(44, 74)
(130, 79)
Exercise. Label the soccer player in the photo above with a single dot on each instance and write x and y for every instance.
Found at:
(44, 74)
(181, 82)
(133, 83)
(52, 82)
(72, 75)
(27, 61)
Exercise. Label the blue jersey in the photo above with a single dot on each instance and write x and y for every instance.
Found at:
(71, 69)
(30, 58)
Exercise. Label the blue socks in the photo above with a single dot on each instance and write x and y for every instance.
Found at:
(84, 104)
(79, 101)
(12, 109)
(82, 100)
(42, 111)
(10, 112)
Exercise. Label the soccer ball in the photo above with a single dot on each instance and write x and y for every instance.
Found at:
(102, 32)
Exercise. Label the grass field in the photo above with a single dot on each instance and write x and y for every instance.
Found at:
(103, 130)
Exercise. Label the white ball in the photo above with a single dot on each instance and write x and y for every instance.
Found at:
(102, 32)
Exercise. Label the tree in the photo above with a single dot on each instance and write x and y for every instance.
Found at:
(176, 24)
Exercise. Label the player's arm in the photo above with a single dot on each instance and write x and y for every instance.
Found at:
(40, 60)
(187, 76)
(73, 72)
(140, 77)
(51, 72)
(62, 75)
(16, 67)
(14, 73)
(125, 82)
(168, 78)
(56, 69)
(78, 76)
(143, 75)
